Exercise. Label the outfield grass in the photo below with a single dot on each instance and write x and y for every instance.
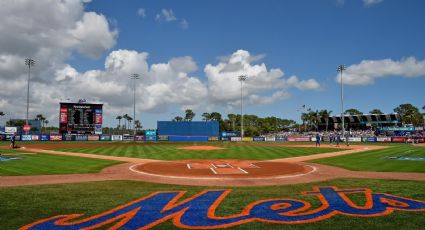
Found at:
(47, 164)
(23, 205)
(375, 160)
(170, 151)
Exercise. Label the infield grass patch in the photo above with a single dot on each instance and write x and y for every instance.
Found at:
(24, 205)
(375, 160)
(170, 151)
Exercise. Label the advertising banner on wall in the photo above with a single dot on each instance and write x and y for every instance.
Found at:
(26, 137)
(93, 137)
(247, 139)
(212, 138)
(163, 137)
(270, 139)
(235, 138)
(384, 139)
(258, 138)
(150, 138)
(300, 139)
(398, 139)
(81, 137)
(35, 137)
(139, 138)
(354, 139)
(230, 134)
(55, 137)
(281, 138)
(116, 138)
(10, 129)
(128, 138)
(44, 137)
(68, 137)
(105, 137)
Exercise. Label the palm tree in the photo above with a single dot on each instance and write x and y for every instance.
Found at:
(119, 117)
(45, 124)
(129, 119)
(137, 125)
(189, 115)
(125, 116)
(41, 118)
(206, 116)
(178, 118)
(2, 114)
(325, 114)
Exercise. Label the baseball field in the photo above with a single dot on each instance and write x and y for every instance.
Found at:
(129, 185)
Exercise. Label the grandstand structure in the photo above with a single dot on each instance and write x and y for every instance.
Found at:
(360, 122)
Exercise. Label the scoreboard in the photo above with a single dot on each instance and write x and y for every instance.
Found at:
(80, 118)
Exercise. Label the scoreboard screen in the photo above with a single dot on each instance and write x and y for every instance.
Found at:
(80, 118)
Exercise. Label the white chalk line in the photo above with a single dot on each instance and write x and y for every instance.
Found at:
(314, 169)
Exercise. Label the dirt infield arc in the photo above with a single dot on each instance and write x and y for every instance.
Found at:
(213, 172)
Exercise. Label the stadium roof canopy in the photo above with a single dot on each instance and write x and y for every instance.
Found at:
(391, 118)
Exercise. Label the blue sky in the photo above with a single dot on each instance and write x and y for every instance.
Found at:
(380, 41)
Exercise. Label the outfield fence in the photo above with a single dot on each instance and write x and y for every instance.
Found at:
(176, 138)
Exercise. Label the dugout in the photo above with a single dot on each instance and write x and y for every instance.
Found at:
(198, 129)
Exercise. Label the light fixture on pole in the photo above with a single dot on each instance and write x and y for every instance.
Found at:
(135, 77)
(242, 78)
(340, 69)
(29, 62)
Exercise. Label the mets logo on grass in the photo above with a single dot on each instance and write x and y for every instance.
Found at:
(198, 211)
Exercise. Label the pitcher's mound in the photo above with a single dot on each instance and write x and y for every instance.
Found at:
(201, 147)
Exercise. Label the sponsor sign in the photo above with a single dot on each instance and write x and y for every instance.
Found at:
(44, 137)
(68, 137)
(299, 139)
(198, 211)
(63, 115)
(247, 139)
(150, 138)
(398, 139)
(258, 138)
(55, 137)
(93, 137)
(355, 139)
(383, 139)
(225, 138)
(235, 138)
(81, 137)
(281, 138)
(35, 137)
(10, 129)
(128, 138)
(230, 134)
(163, 137)
(270, 139)
(150, 132)
(105, 137)
(27, 128)
(139, 138)
(26, 137)
(213, 138)
(98, 129)
(116, 138)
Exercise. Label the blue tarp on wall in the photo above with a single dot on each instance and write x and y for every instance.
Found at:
(188, 138)
(188, 128)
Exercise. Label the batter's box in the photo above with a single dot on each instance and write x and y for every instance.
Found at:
(232, 170)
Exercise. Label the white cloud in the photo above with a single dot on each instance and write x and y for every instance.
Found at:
(141, 12)
(166, 15)
(224, 86)
(368, 3)
(184, 24)
(368, 71)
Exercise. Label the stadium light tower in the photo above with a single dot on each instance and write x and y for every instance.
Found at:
(242, 78)
(340, 69)
(29, 62)
(135, 77)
